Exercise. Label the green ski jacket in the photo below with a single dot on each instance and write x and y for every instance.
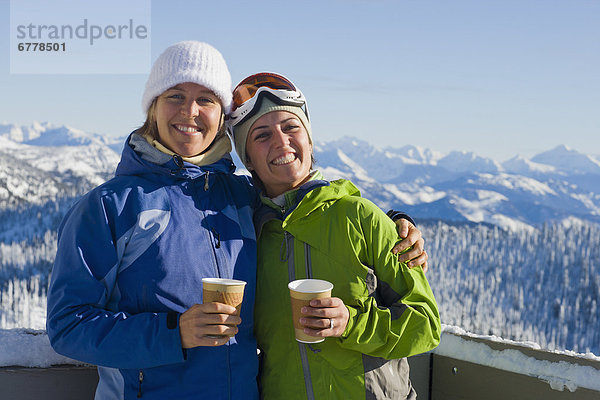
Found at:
(329, 232)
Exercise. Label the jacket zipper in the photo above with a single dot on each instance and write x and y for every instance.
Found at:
(216, 238)
(141, 379)
(307, 261)
(310, 395)
(288, 238)
(284, 252)
(178, 162)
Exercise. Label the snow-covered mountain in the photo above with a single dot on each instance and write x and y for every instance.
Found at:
(462, 186)
(568, 161)
(43, 161)
(47, 134)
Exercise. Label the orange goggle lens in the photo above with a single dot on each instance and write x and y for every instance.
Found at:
(247, 88)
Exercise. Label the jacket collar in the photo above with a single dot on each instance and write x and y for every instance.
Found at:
(141, 158)
(289, 200)
(304, 200)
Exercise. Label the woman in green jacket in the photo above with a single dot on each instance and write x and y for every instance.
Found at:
(380, 311)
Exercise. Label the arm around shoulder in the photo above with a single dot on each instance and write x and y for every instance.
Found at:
(399, 317)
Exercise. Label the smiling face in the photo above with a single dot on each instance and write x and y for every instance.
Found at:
(279, 151)
(188, 117)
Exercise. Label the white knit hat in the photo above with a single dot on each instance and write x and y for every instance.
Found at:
(189, 61)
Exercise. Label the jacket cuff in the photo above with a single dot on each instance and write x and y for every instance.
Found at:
(173, 323)
(396, 215)
(172, 320)
(353, 314)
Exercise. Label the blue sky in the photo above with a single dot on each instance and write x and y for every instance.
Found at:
(498, 78)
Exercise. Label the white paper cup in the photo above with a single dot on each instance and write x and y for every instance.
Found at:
(227, 291)
(302, 291)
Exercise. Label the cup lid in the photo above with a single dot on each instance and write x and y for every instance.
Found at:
(223, 281)
(310, 285)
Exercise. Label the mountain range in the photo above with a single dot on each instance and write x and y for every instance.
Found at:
(461, 186)
(514, 247)
(43, 162)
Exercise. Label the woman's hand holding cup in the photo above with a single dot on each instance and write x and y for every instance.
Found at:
(316, 315)
(215, 321)
(326, 317)
(210, 324)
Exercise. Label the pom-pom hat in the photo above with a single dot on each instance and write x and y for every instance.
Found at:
(189, 61)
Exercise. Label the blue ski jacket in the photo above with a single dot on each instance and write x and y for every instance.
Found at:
(131, 257)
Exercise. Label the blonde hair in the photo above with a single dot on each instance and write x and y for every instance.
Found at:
(150, 128)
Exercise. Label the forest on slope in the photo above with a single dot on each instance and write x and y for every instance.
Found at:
(538, 285)
(541, 286)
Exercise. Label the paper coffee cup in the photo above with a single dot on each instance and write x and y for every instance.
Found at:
(302, 292)
(227, 291)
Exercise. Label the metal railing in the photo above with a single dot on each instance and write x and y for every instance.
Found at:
(469, 367)
(463, 367)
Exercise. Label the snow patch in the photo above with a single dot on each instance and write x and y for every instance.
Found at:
(510, 224)
(359, 171)
(29, 348)
(520, 165)
(587, 202)
(331, 174)
(426, 194)
(517, 182)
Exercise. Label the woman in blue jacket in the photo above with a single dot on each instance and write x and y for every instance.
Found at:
(126, 286)
(125, 292)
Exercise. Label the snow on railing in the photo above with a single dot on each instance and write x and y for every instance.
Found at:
(560, 369)
(29, 348)
(508, 355)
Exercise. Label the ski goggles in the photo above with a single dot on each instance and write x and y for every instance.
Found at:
(248, 95)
